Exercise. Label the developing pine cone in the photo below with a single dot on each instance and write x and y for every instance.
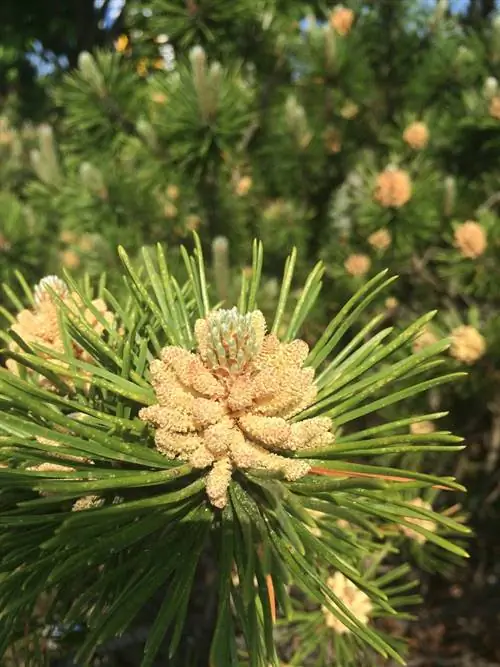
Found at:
(40, 324)
(229, 405)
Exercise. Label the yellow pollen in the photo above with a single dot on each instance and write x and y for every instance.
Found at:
(426, 524)
(230, 404)
(40, 325)
(358, 602)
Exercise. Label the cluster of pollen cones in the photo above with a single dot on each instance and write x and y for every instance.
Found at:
(230, 404)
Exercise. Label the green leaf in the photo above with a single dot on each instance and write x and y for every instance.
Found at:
(223, 648)
(286, 283)
(345, 318)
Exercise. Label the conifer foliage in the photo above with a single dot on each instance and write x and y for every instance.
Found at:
(263, 426)
(139, 434)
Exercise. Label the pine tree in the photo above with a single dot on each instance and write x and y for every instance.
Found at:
(139, 435)
(365, 136)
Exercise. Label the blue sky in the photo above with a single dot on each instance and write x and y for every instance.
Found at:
(455, 5)
(46, 65)
(114, 10)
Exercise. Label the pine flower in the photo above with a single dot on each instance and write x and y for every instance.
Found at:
(416, 135)
(381, 239)
(358, 602)
(393, 188)
(68, 237)
(50, 467)
(229, 405)
(391, 303)
(349, 111)
(169, 210)
(467, 344)
(426, 524)
(40, 325)
(243, 186)
(158, 98)
(173, 192)
(333, 140)
(42, 293)
(494, 108)
(121, 44)
(244, 415)
(424, 339)
(470, 239)
(341, 20)
(70, 259)
(87, 503)
(142, 67)
(357, 265)
(192, 222)
(422, 428)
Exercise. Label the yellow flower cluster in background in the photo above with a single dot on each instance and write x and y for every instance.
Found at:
(122, 43)
(416, 135)
(357, 265)
(341, 20)
(467, 344)
(470, 239)
(381, 239)
(393, 188)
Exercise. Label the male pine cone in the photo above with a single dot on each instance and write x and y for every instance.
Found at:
(230, 405)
